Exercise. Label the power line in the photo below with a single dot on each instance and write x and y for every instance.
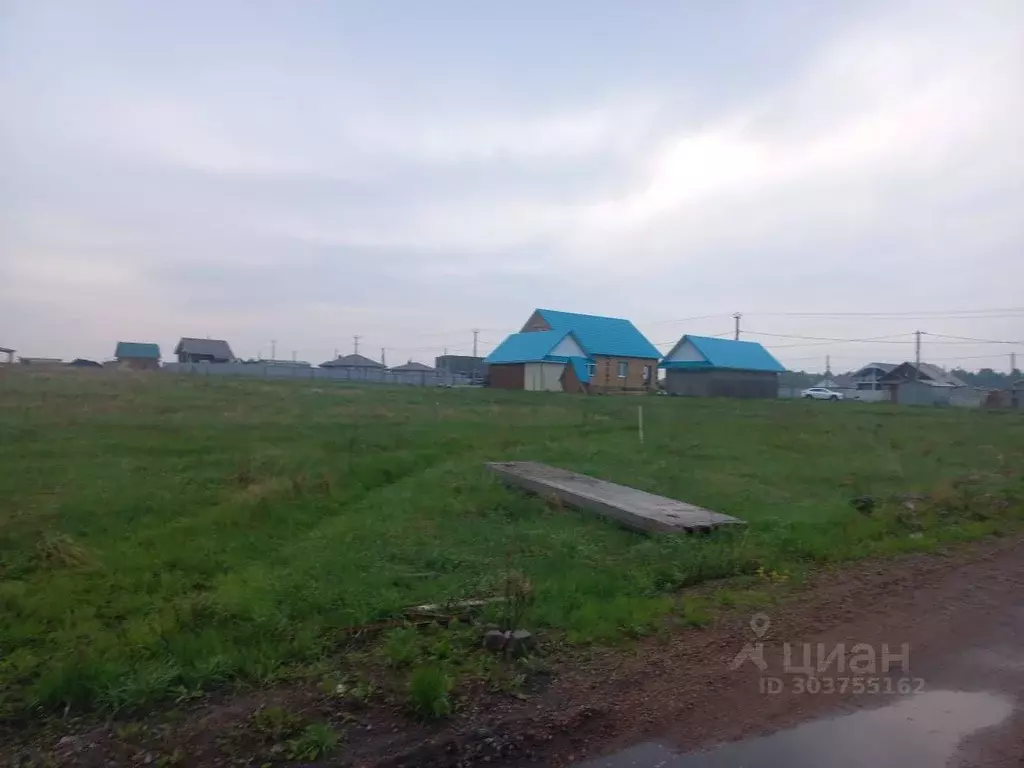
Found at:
(706, 335)
(828, 338)
(971, 339)
(911, 315)
(821, 341)
(689, 319)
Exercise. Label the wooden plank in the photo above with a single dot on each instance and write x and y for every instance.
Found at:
(633, 508)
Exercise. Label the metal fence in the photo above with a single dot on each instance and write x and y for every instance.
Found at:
(367, 375)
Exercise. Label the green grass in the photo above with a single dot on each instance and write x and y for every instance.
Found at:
(162, 535)
(429, 687)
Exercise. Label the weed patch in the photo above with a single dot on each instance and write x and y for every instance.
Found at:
(429, 689)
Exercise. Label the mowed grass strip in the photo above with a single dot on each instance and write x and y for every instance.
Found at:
(161, 535)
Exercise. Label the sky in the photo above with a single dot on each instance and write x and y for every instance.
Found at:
(290, 175)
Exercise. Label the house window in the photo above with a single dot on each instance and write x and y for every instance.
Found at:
(647, 374)
(623, 370)
(591, 369)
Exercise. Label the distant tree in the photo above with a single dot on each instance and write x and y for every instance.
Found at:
(986, 378)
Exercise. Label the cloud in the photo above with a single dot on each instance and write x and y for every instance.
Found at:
(326, 174)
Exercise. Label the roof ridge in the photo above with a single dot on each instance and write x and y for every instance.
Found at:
(586, 314)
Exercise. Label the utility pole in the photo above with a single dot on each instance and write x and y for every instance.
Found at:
(273, 349)
(382, 360)
(828, 367)
(1013, 363)
(335, 353)
(294, 355)
(475, 334)
(356, 340)
(917, 354)
(737, 317)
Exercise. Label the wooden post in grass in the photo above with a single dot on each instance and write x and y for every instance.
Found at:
(640, 421)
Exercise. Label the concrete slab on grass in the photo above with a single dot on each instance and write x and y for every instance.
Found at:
(635, 509)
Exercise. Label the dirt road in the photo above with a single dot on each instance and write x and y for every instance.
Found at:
(961, 617)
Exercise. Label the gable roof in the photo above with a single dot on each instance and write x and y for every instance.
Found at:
(352, 361)
(413, 366)
(529, 347)
(906, 372)
(941, 375)
(883, 367)
(137, 349)
(217, 348)
(599, 335)
(725, 353)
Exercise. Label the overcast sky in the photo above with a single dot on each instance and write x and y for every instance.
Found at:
(407, 171)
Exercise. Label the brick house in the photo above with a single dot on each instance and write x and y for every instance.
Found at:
(570, 352)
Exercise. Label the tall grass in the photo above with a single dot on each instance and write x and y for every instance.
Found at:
(162, 535)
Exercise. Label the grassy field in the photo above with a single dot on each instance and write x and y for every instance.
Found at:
(163, 534)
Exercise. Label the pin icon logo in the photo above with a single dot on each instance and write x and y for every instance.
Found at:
(760, 622)
(754, 652)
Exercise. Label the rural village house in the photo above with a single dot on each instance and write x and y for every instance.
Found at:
(570, 352)
(924, 384)
(137, 355)
(703, 366)
(413, 367)
(191, 350)
(870, 376)
(355, 361)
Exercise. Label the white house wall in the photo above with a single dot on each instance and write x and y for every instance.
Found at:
(543, 377)
(567, 347)
(685, 353)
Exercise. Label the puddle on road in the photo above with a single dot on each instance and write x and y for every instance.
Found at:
(923, 730)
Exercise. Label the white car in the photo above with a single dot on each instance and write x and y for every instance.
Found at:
(821, 393)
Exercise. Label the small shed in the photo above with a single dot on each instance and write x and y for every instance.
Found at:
(9, 353)
(138, 355)
(191, 350)
(704, 366)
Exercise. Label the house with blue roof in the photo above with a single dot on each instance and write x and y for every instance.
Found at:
(705, 366)
(137, 355)
(571, 352)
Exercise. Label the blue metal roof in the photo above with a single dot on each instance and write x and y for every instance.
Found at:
(137, 349)
(726, 353)
(581, 366)
(602, 335)
(530, 347)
